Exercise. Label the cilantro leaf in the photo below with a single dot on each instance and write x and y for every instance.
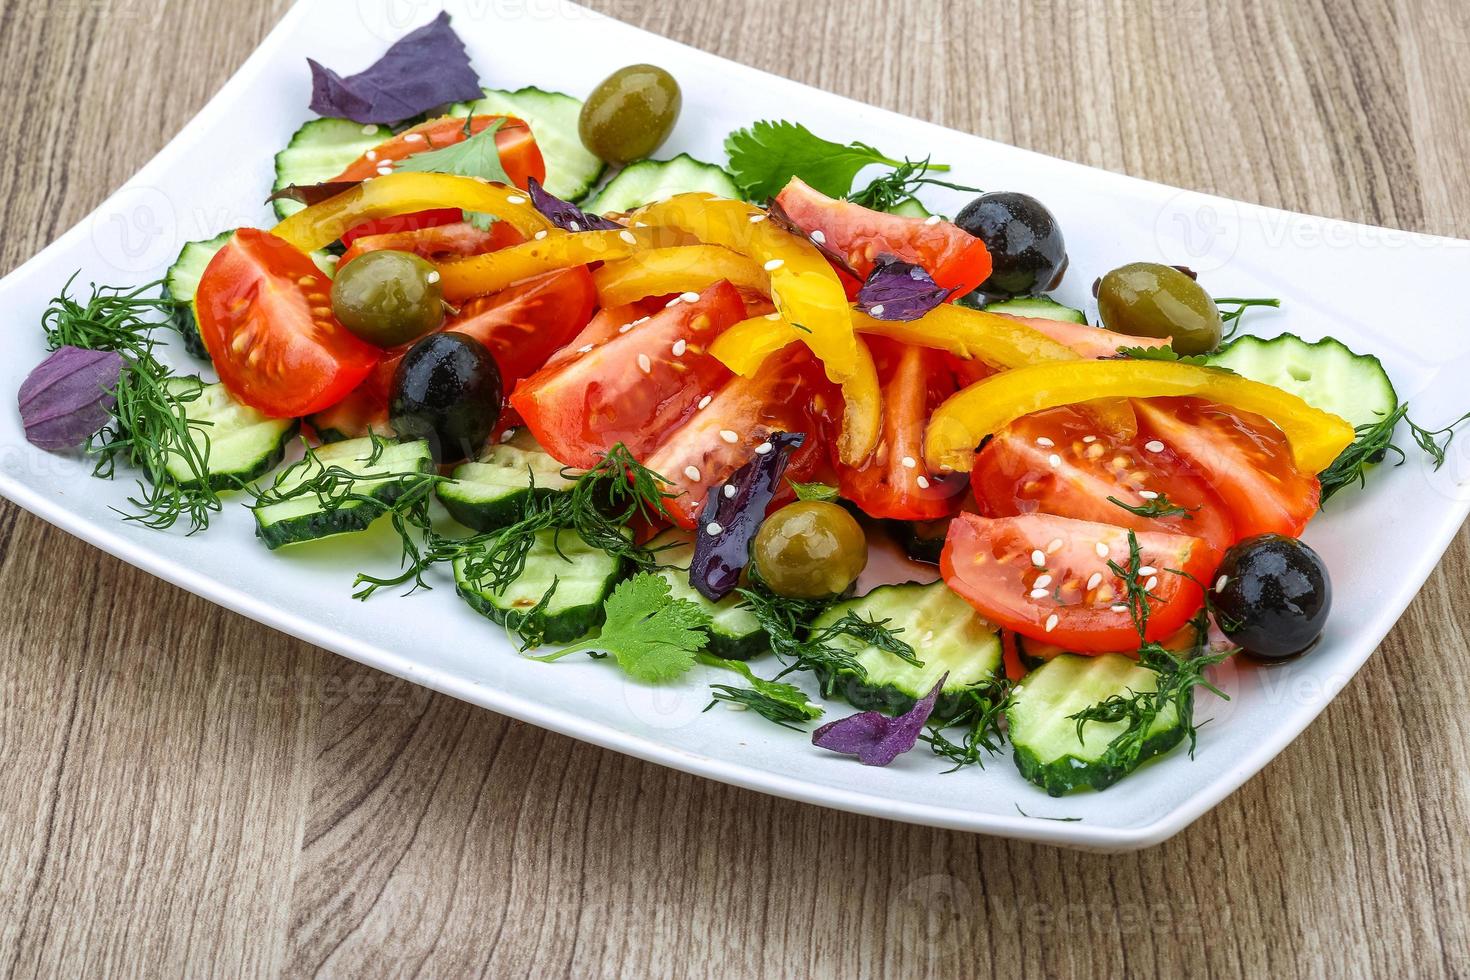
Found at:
(1167, 353)
(814, 491)
(765, 157)
(652, 636)
(475, 156)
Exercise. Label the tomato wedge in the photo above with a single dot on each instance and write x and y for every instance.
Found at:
(519, 154)
(634, 387)
(1245, 458)
(956, 259)
(1062, 462)
(1087, 341)
(265, 315)
(1048, 578)
(895, 482)
(437, 242)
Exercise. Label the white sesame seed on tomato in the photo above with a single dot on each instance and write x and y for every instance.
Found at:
(1151, 584)
(1149, 494)
(1054, 545)
(729, 436)
(692, 472)
(1094, 581)
(1101, 549)
(819, 237)
(1039, 593)
(1221, 582)
(909, 462)
(1089, 439)
(1038, 558)
(1044, 442)
(680, 346)
(1054, 460)
(933, 219)
(704, 402)
(690, 297)
(923, 482)
(1147, 570)
(1118, 608)
(1042, 581)
(645, 364)
(1154, 446)
(1051, 622)
(585, 350)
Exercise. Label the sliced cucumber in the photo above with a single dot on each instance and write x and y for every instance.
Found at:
(1047, 749)
(1325, 374)
(910, 207)
(1041, 307)
(242, 443)
(571, 169)
(496, 489)
(181, 282)
(584, 577)
(735, 633)
(319, 151)
(306, 518)
(654, 180)
(947, 634)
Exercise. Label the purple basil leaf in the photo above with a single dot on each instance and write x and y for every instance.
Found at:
(566, 216)
(65, 400)
(898, 290)
(310, 194)
(875, 738)
(734, 517)
(421, 71)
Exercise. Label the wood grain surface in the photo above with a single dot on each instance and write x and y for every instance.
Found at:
(183, 791)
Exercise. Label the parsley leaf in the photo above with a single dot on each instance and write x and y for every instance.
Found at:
(651, 635)
(813, 491)
(765, 157)
(1167, 353)
(475, 156)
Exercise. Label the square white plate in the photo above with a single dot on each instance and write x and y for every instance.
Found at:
(1380, 544)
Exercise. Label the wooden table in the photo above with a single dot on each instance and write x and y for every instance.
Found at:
(183, 790)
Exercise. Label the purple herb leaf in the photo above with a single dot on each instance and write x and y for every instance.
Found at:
(565, 215)
(720, 557)
(875, 738)
(65, 400)
(898, 290)
(421, 71)
(310, 194)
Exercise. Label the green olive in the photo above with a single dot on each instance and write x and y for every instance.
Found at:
(811, 549)
(630, 113)
(1146, 299)
(388, 298)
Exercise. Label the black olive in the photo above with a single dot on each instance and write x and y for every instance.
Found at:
(1272, 596)
(447, 390)
(1027, 253)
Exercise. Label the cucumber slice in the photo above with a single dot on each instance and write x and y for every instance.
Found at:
(1047, 749)
(305, 519)
(947, 634)
(571, 169)
(584, 577)
(495, 490)
(735, 633)
(910, 207)
(242, 443)
(1041, 307)
(1325, 374)
(319, 151)
(654, 180)
(181, 282)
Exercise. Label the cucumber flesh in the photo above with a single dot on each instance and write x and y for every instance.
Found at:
(571, 170)
(946, 632)
(1324, 374)
(1041, 307)
(655, 180)
(1047, 749)
(910, 207)
(584, 577)
(496, 489)
(181, 282)
(242, 443)
(319, 151)
(735, 633)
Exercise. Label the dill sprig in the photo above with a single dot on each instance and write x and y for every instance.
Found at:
(148, 427)
(1138, 594)
(1231, 318)
(888, 190)
(785, 704)
(983, 706)
(786, 622)
(1374, 441)
(1160, 506)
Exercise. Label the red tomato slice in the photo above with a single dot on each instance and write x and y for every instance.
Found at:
(447, 241)
(1048, 578)
(403, 222)
(787, 396)
(956, 259)
(895, 482)
(265, 314)
(519, 154)
(1244, 457)
(1087, 341)
(634, 387)
(1061, 462)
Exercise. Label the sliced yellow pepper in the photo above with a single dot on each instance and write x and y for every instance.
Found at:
(404, 193)
(743, 347)
(480, 274)
(999, 341)
(862, 410)
(677, 269)
(961, 423)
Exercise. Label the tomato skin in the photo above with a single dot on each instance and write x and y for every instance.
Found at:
(393, 224)
(435, 243)
(635, 387)
(895, 482)
(1014, 474)
(991, 563)
(519, 154)
(1244, 457)
(265, 315)
(956, 259)
(1087, 341)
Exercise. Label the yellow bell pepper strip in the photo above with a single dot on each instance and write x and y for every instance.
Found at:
(478, 275)
(743, 347)
(677, 269)
(963, 421)
(999, 341)
(404, 193)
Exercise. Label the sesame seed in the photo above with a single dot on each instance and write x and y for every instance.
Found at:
(370, 129)
(692, 472)
(674, 302)
(1094, 581)
(625, 328)
(729, 436)
(414, 138)
(933, 219)
(508, 434)
(756, 219)
(385, 169)
(773, 316)
(1151, 583)
(1039, 593)
(1038, 558)
(704, 402)
(585, 350)
(1054, 546)
(909, 462)
(1042, 581)
(1054, 460)
(1118, 608)
(819, 237)
(1044, 442)
(680, 346)
(1149, 494)
(371, 155)
(1154, 446)
(923, 482)
(877, 310)
(1051, 622)
(1102, 550)
(689, 297)
(1221, 582)
(774, 264)
(540, 234)
(515, 199)
(713, 529)
(1089, 439)
(628, 237)
(573, 226)
(644, 364)
(432, 276)
(641, 319)
(729, 491)
(1147, 570)
(763, 448)
(640, 224)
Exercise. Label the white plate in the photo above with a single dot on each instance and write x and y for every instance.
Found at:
(1395, 294)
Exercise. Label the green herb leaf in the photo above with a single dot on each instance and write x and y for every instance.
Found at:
(983, 707)
(480, 219)
(1160, 506)
(1232, 318)
(1373, 442)
(887, 191)
(765, 157)
(814, 491)
(1167, 353)
(652, 636)
(785, 704)
(475, 156)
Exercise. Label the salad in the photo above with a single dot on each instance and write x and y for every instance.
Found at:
(768, 414)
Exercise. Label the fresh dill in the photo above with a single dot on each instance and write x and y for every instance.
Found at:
(800, 648)
(785, 704)
(1138, 593)
(982, 708)
(1231, 318)
(887, 191)
(1374, 441)
(1160, 506)
(1037, 816)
